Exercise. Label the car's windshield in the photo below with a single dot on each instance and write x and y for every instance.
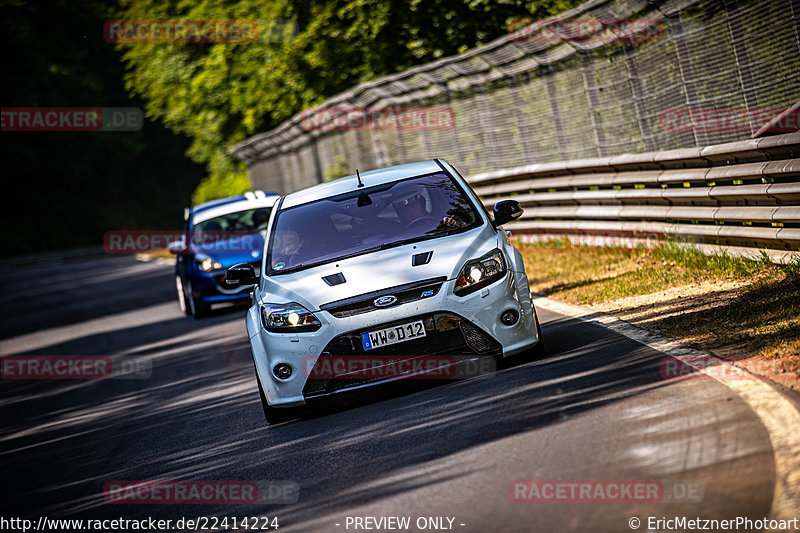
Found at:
(231, 224)
(367, 219)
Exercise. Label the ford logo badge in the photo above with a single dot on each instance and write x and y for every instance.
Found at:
(385, 301)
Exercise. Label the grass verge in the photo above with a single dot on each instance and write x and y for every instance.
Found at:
(737, 308)
(158, 254)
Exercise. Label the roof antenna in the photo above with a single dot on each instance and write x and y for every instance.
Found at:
(360, 183)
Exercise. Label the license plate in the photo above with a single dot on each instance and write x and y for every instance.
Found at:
(393, 335)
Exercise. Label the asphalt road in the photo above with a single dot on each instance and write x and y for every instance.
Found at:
(596, 408)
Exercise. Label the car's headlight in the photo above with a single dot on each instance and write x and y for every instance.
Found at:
(288, 318)
(207, 263)
(480, 272)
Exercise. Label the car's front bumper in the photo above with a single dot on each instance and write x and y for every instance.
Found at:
(481, 309)
(209, 288)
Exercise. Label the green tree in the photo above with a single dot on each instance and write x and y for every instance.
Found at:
(66, 189)
(220, 94)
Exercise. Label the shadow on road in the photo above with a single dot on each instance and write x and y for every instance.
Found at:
(198, 416)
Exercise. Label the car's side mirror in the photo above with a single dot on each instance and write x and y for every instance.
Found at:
(177, 247)
(241, 274)
(505, 211)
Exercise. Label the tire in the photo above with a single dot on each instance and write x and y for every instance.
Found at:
(539, 350)
(276, 415)
(195, 309)
(183, 302)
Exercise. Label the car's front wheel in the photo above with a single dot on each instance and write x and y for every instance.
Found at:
(277, 415)
(539, 350)
(196, 309)
(183, 301)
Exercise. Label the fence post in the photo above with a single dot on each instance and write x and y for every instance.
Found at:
(449, 101)
(638, 97)
(742, 61)
(489, 143)
(379, 149)
(794, 6)
(315, 153)
(687, 74)
(590, 86)
(522, 127)
(552, 97)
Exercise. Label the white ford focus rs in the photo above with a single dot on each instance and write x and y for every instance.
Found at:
(393, 273)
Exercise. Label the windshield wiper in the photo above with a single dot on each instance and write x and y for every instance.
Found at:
(402, 242)
(379, 247)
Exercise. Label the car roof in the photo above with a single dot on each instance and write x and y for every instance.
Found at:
(232, 205)
(369, 178)
(248, 196)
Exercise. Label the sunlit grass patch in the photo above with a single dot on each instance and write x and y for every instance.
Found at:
(749, 304)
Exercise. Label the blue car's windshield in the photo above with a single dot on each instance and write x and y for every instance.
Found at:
(231, 225)
(367, 219)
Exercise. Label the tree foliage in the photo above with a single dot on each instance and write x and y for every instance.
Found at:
(66, 189)
(219, 94)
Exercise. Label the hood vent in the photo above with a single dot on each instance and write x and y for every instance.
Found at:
(334, 279)
(364, 303)
(421, 259)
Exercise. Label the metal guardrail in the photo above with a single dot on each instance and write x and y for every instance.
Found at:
(743, 197)
(518, 100)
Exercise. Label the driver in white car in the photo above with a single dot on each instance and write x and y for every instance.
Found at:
(413, 208)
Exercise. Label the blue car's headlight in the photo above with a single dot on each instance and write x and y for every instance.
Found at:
(288, 318)
(206, 263)
(480, 272)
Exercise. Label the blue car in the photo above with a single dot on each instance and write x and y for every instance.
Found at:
(219, 234)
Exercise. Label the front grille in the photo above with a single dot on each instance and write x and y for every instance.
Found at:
(364, 303)
(479, 341)
(446, 334)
